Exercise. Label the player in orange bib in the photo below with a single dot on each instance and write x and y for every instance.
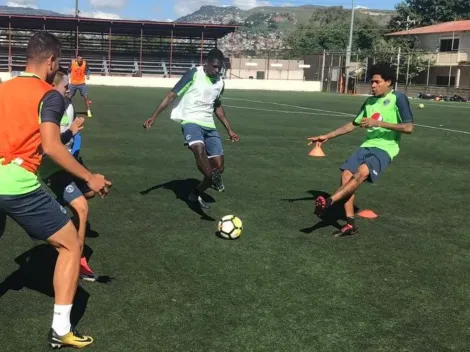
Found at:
(79, 73)
(30, 115)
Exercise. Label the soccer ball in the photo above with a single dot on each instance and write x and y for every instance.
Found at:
(421, 106)
(230, 227)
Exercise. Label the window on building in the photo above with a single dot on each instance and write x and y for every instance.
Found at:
(447, 45)
(444, 81)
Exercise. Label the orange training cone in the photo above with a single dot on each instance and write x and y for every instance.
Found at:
(317, 151)
(367, 214)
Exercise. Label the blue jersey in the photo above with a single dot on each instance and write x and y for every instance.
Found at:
(77, 144)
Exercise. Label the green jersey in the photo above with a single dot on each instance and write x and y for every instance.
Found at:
(392, 108)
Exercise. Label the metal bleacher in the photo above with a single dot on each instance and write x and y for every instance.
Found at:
(119, 66)
(113, 47)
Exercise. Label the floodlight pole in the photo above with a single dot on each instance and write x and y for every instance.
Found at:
(349, 48)
(77, 11)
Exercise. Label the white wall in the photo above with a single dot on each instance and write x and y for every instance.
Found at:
(239, 84)
(431, 44)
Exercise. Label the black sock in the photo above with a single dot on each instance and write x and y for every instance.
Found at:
(351, 221)
(329, 201)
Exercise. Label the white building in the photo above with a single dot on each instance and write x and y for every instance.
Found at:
(448, 45)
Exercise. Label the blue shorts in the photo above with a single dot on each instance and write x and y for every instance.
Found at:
(36, 212)
(193, 133)
(82, 88)
(376, 160)
(66, 187)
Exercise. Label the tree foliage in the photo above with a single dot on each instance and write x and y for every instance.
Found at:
(428, 12)
(328, 29)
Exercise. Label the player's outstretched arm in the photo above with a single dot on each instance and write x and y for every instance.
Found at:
(178, 90)
(347, 128)
(220, 113)
(170, 97)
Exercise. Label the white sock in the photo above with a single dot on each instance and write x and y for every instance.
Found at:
(61, 319)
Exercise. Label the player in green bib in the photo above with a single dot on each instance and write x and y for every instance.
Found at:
(386, 115)
(199, 93)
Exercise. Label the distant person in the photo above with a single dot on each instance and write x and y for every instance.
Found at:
(200, 90)
(22, 142)
(79, 74)
(68, 189)
(386, 115)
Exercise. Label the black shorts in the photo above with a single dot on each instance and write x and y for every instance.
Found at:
(66, 187)
(36, 212)
(376, 160)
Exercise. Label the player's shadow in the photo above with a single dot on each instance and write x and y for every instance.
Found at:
(35, 272)
(90, 232)
(3, 223)
(182, 189)
(329, 218)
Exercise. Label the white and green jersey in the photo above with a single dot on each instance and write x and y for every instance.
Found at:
(48, 166)
(199, 95)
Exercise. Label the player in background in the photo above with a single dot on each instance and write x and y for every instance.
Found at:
(22, 141)
(68, 189)
(386, 115)
(200, 90)
(79, 73)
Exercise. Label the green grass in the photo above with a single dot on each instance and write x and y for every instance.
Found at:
(400, 285)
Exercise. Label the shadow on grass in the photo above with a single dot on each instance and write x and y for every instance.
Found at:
(331, 216)
(35, 272)
(182, 189)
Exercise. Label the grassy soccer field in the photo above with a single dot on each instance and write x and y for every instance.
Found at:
(402, 284)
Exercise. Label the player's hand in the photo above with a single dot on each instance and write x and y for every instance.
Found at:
(318, 139)
(77, 125)
(369, 123)
(88, 77)
(234, 137)
(149, 122)
(99, 184)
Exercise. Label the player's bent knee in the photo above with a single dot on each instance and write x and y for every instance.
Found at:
(66, 239)
(198, 150)
(362, 173)
(346, 176)
(80, 205)
(217, 163)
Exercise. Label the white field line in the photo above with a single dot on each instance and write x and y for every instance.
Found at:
(284, 111)
(322, 112)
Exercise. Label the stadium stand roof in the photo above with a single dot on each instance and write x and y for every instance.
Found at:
(123, 27)
(445, 27)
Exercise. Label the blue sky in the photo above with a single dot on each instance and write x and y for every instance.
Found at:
(171, 9)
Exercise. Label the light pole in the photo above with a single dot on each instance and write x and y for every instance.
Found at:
(349, 48)
(77, 11)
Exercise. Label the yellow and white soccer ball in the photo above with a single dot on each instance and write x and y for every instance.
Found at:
(230, 227)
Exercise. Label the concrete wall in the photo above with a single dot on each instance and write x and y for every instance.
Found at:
(273, 69)
(240, 84)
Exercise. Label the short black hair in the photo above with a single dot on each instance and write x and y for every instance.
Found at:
(385, 70)
(215, 54)
(41, 46)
